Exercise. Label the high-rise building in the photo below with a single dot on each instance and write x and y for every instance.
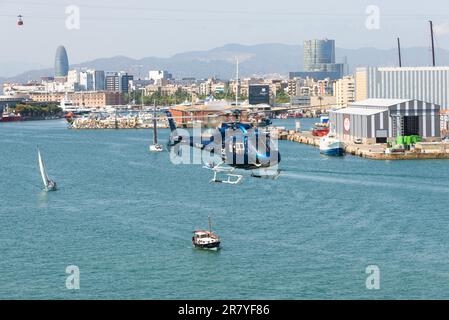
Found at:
(118, 82)
(86, 80)
(319, 61)
(112, 82)
(344, 91)
(429, 84)
(99, 82)
(124, 79)
(318, 53)
(61, 62)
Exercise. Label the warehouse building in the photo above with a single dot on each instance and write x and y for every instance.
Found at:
(429, 84)
(382, 120)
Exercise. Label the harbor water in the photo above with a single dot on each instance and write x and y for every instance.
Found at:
(125, 217)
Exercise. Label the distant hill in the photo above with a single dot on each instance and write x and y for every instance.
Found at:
(254, 60)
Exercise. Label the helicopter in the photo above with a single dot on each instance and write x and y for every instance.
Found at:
(239, 145)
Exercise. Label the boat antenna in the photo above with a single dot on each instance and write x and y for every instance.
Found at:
(210, 224)
(433, 42)
(399, 52)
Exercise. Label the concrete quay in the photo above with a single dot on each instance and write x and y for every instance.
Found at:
(422, 150)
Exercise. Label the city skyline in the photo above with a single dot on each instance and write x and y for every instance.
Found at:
(245, 23)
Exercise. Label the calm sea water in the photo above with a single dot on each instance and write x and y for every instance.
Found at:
(125, 216)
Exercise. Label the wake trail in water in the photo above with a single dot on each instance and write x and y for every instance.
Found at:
(349, 173)
(380, 184)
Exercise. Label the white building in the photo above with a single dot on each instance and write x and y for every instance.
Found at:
(87, 80)
(92, 80)
(73, 77)
(430, 84)
(22, 90)
(158, 75)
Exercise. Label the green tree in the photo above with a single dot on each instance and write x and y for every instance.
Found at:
(282, 96)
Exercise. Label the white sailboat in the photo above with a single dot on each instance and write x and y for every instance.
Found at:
(49, 185)
(155, 147)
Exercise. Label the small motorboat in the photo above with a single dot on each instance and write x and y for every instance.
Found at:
(206, 239)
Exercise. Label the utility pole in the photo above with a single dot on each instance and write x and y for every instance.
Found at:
(433, 42)
(399, 53)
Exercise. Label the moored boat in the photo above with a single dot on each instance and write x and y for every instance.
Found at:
(321, 128)
(9, 116)
(331, 146)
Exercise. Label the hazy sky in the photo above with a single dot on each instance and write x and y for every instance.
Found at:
(161, 28)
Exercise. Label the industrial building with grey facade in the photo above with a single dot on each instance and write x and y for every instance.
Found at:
(430, 84)
(383, 120)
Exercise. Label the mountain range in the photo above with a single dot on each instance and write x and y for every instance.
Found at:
(254, 60)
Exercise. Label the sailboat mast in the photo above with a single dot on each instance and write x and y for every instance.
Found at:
(237, 85)
(210, 224)
(154, 124)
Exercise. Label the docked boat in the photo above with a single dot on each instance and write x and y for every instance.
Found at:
(331, 146)
(49, 185)
(9, 116)
(206, 239)
(321, 128)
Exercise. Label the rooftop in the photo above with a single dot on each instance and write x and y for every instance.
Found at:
(359, 111)
(379, 102)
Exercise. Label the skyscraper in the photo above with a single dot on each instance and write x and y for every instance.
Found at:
(318, 53)
(319, 61)
(61, 62)
(118, 82)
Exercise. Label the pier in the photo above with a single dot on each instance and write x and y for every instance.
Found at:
(422, 150)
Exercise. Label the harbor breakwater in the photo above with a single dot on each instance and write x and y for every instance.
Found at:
(112, 123)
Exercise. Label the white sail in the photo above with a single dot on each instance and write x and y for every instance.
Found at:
(45, 179)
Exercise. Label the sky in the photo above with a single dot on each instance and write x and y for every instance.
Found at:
(140, 29)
